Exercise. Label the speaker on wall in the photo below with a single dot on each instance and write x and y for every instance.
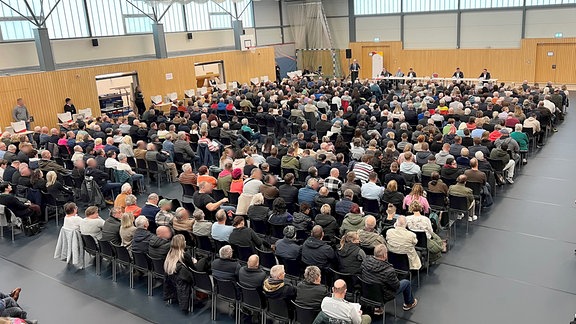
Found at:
(94, 42)
(348, 53)
(189, 35)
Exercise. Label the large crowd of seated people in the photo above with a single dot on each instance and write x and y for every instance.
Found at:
(329, 174)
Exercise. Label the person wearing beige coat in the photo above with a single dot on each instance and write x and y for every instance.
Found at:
(401, 241)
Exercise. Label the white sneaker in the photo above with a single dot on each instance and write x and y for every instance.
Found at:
(510, 181)
(474, 217)
(470, 219)
(460, 216)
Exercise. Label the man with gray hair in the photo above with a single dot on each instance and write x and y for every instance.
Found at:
(225, 267)
(220, 231)
(141, 235)
(201, 227)
(136, 179)
(251, 275)
(377, 270)
(401, 241)
(310, 292)
(275, 288)
(182, 145)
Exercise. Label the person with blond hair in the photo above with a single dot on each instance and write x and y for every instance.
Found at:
(127, 230)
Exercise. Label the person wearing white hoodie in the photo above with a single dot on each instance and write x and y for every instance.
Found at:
(408, 166)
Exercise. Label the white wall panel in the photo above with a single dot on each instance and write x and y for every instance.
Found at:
(387, 28)
(266, 13)
(544, 23)
(339, 29)
(335, 7)
(494, 29)
(268, 36)
(430, 31)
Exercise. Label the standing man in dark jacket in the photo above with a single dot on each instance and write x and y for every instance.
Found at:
(317, 252)
(377, 270)
(111, 228)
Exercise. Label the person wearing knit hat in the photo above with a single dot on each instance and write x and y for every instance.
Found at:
(165, 216)
(288, 247)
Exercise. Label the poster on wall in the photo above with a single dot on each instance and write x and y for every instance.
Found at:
(377, 63)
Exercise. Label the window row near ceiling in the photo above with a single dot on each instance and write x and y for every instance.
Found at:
(72, 19)
(374, 7)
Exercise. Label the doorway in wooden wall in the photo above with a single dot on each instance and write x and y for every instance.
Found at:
(365, 60)
(556, 63)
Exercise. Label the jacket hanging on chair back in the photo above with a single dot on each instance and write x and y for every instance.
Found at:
(90, 193)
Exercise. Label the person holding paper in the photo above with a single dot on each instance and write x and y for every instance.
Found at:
(69, 107)
(20, 113)
(338, 308)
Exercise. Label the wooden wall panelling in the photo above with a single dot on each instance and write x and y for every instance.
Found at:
(45, 92)
(563, 57)
(511, 65)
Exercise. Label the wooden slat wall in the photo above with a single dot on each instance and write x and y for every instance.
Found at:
(513, 65)
(44, 92)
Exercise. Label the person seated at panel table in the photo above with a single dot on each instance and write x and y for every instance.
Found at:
(458, 74)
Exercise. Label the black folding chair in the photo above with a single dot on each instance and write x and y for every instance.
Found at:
(226, 291)
(91, 247)
(267, 258)
(233, 198)
(477, 192)
(278, 310)
(304, 314)
(260, 227)
(107, 253)
(242, 252)
(422, 246)
(123, 258)
(204, 246)
(293, 267)
(401, 264)
(371, 296)
(142, 264)
(458, 205)
(371, 206)
(203, 284)
(252, 300)
(157, 271)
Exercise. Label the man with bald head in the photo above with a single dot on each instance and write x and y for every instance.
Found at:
(251, 275)
(315, 251)
(333, 183)
(338, 308)
(368, 236)
(377, 270)
(159, 244)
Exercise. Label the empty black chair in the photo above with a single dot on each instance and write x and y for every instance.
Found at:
(218, 245)
(285, 171)
(458, 205)
(203, 284)
(477, 192)
(371, 295)
(278, 310)
(131, 162)
(436, 200)
(142, 264)
(259, 226)
(293, 267)
(218, 194)
(304, 314)
(371, 206)
(157, 269)
(187, 193)
(277, 231)
(226, 291)
(369, 250)
(154, 169)
(424, 179)
(91, 247)
(242, 252)
(401, 264)
(107, 253)
(252, 300)
(123, 258)
(233, 198)
(204, 246)
(179, 160)
(350, 280)
(141, 167)
(422, 246)
(267, 258)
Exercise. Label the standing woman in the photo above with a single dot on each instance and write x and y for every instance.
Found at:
(139, 101)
